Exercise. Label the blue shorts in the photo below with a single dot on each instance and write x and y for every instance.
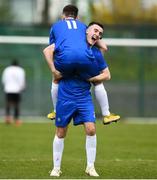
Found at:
(84, 70)
(79, 111)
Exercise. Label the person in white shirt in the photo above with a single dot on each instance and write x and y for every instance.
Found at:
(13, 80)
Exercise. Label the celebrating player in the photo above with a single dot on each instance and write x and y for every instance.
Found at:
(74, 97)
(67, 60)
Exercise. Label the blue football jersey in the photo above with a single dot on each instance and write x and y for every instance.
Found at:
(69, 37)
(99, 59)
(70, 32)
(95, 67)
(74, 88)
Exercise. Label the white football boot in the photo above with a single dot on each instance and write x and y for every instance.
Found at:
(91, 171)
(56, 172)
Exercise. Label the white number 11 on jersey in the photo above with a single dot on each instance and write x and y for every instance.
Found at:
(71, 24)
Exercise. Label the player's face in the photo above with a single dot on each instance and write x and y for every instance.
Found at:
(94, 33)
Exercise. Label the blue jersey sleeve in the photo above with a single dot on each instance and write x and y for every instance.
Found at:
(101, 62)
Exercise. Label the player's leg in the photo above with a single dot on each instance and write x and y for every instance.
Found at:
(102, 98)
(101, 94)
(58, 146)
(54, 95)
(16, 104)
(8, 105)
(86, 115)
(64, 112)
(91, 143)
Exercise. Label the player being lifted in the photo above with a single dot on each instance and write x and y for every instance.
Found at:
(74, 56)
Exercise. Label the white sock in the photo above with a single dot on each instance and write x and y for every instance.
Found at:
(90, 150)
(54, 94)
(58, 146)
(101, 97)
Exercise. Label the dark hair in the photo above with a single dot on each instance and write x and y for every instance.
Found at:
(70, 11)
(97, 23)
(15, 62)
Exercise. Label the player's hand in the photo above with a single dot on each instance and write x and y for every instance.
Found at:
(57, 75)
(93, 79)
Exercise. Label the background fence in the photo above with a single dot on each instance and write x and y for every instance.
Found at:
(132, 90)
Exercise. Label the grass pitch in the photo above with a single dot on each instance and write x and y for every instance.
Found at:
(123, 151)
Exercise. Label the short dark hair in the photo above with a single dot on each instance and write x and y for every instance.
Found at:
(70, 11)
(97, 23)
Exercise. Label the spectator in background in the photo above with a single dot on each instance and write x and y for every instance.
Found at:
(13, 80)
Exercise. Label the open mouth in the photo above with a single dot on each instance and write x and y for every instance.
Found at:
(94, 38)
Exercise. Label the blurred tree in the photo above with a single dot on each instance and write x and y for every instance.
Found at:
(123, 12)
(151, 15)
(126, 11)
(5, 12)
(100, 12)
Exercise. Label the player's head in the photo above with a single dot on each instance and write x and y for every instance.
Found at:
(94, 32)
(14, 62)
(70, 11)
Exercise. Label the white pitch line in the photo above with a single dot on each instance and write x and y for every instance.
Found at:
(116, 160)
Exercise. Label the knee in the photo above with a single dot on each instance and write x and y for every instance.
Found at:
(108, 77)
(90, 131)
(61, 133)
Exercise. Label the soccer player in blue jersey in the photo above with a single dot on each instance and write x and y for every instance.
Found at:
(68, 60)
(75, 102)
(72, 52)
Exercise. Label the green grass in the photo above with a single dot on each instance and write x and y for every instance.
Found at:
(124, 151)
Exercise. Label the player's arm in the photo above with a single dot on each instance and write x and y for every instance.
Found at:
(103, 76)
(48, 53)
(102, 45)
